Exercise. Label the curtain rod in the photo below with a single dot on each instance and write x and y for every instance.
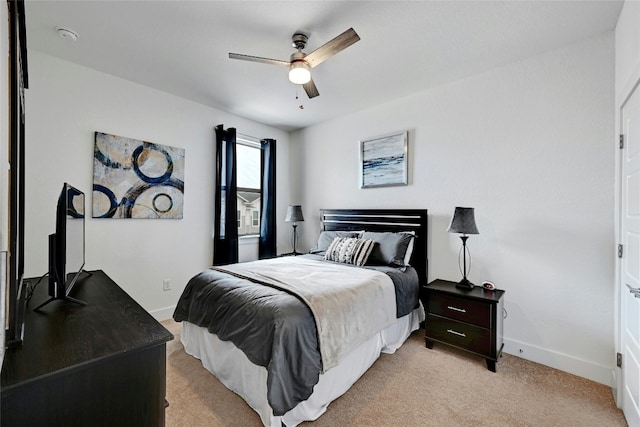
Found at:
(249, 137)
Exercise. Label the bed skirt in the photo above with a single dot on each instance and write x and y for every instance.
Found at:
(230, 365)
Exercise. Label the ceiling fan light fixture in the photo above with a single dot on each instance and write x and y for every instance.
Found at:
(299, 72)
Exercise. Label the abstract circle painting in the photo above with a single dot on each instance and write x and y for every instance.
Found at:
(136, 179)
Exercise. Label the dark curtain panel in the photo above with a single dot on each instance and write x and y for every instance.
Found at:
(225, 230)
(267, 245)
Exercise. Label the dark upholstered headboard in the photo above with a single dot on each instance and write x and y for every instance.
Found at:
(384, 220)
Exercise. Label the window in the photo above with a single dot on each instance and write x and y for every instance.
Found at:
(248, 183)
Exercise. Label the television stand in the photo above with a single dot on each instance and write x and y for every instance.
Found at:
(104, 365)
(64, 298)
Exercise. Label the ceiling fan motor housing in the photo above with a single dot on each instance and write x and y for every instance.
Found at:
(298, 56)
(299, 40)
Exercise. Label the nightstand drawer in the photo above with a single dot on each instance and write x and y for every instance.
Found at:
(463, 335)
(465, 310)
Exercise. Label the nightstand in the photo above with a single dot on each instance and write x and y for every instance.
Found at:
(470, 320)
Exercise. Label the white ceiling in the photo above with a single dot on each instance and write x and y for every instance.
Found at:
(181, 47)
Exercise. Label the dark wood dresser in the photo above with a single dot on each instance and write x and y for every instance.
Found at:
(103, 364)
(470, 320)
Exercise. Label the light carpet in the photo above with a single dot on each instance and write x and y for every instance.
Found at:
(413, 387)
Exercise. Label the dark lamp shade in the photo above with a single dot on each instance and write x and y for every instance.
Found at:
(294, 213)
(463, 222)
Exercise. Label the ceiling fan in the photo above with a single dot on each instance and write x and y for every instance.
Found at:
(300, 63)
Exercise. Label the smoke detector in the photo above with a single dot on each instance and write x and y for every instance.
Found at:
(66, 33)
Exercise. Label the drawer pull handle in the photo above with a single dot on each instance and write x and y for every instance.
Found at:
(461, 310)
(460, 334)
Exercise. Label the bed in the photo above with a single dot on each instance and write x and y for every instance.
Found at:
(291, 334)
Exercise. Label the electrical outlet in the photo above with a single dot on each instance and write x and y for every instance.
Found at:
(166, 285)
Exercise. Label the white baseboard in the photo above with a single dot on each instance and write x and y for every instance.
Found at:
(582, 368)
(163, 313)
(616, 378)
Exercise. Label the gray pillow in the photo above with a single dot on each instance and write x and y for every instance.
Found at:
(326, 237)
(390, 248)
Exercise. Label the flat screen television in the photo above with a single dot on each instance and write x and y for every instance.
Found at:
(66, 245)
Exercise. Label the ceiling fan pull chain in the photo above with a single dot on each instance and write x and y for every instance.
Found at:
(300, 106)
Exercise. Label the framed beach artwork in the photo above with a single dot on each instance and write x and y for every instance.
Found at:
(383, 160)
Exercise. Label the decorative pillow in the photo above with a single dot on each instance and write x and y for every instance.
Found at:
(391, 248)
(349, 250)
(326, 238)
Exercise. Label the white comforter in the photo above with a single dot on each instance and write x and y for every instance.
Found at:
(349, 304)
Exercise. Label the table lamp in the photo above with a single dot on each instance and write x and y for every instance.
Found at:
(463, 222)
(294, 214)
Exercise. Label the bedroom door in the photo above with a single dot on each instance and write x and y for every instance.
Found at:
(630, 267)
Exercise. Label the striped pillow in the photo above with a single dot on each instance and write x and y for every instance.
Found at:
(349, 250)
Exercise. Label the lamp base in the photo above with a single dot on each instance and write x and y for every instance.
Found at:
(294, 253)
(465, 284)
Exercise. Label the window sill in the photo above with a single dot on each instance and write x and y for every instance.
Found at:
(248, 240)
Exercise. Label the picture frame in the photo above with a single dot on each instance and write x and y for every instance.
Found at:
(149, 185)
(384, 160)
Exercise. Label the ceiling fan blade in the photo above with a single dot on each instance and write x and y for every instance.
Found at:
(332, 47)
(311, 89)
(258, 59)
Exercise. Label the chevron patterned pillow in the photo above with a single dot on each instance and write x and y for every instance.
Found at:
(349, 250)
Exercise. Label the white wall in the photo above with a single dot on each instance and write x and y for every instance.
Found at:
(627, 45)
(66, 104)
(528, 145)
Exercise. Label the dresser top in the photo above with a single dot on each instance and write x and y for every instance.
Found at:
(64, 335)
(478, 292)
